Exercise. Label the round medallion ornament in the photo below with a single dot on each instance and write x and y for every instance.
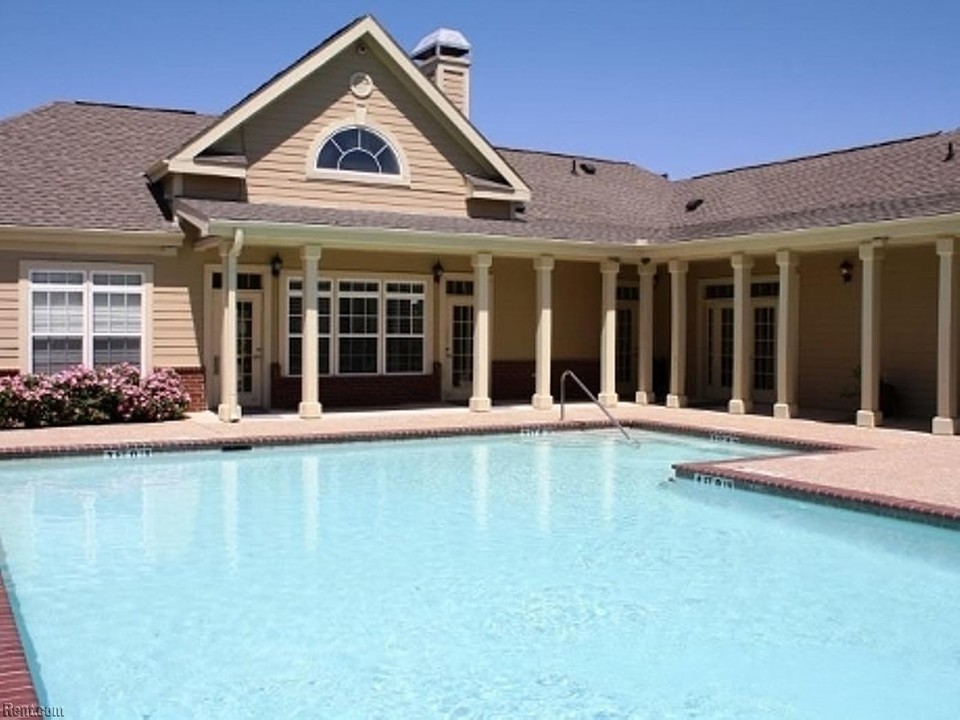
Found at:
(361, 84)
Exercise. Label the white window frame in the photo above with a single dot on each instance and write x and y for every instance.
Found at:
(382, 279)
(290, 292)
(26, 287)
(312, 172)
(387, 335)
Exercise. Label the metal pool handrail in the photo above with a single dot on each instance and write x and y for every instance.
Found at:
(593, 398)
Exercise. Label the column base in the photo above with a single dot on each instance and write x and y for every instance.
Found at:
(645, 397)
(480, 404)
(945, 426)
(869, 418)
(739, 406)
(229, 413)
(310, 410)
(676, 401)
(785, 411)
(608, 400)
(542, 402)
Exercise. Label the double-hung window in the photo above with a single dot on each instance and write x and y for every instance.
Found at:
(404, 332)
(358, 337)
(366, 326)
(80, 317)
(295, 325)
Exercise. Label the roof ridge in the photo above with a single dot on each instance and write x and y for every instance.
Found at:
(814, 156)
(128, 106)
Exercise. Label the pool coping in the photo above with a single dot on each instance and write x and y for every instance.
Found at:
(717, 473)
(18, 694)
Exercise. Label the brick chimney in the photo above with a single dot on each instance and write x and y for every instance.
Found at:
(444, 57)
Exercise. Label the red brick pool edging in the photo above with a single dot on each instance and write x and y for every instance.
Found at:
(717, 474)
(18, 695)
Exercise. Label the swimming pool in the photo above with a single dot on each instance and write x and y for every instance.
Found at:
(510, 576)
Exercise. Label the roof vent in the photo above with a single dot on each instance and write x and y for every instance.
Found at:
(950, 152)
(693, 204)
(588, 168)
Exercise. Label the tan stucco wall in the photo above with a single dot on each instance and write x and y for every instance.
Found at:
(908, 336)
(829, 332)
(279, 139)
(515, 309)
(576, 310)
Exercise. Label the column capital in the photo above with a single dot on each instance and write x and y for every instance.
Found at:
(947, 245)
(787, 258)
(311, 252)
(740, 260)
(871, 250)
(481, 260)
(543, 263)
(678, 267)
(647, 268)
(609, 267)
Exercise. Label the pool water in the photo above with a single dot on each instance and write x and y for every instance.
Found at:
(546, 576)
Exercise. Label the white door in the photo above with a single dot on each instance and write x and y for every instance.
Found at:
(718, 363)
(457, 338)
(626, 349)
(249, 349)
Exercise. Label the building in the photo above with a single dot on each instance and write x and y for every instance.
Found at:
(344, 236)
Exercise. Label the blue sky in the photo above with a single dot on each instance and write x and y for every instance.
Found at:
(678, 86)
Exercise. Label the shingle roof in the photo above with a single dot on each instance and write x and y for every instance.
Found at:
(81, 165)
(544, 228)
(899, 179)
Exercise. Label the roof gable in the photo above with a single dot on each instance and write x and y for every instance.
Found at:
(364, 32)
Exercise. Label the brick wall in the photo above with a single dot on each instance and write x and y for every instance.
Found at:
(194, 382)
(359, 390)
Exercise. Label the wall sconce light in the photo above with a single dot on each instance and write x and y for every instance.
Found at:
(276, 265)
(437, 271)
(846, 271)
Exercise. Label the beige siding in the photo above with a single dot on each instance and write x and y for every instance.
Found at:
(178, 310)
(9, 315)
(279, 139)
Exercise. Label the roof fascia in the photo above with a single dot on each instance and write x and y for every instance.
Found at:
(398, 240)
(118, 242)
(300, 71)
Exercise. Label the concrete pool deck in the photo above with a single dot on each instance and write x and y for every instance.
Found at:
(901, 468)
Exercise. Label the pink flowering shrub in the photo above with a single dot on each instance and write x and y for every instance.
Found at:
(79, 395)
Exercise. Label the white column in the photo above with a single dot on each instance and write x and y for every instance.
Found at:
(480, 400)
(788, 335)
(542, 399)
(310, 407)
(741, 395)
(948, 324)
(869, 415)
(229, 409)
(645, 395)
(678, 334)
(608, 335)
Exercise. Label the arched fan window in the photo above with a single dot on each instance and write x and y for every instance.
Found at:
(358, 149)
